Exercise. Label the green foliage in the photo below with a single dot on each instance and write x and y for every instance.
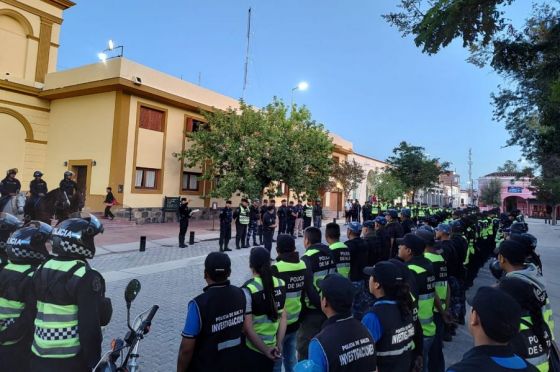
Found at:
(509, 167)
(249, 149)
(491, 193)
(385, 186)
(413, 168)
(349, 174)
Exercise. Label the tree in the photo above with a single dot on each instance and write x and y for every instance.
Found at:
(547, 190)
(491, 193)
(385, 186)
(413, 168)
(249, 149)
(509, 167)
(349, 175)
(528, 59)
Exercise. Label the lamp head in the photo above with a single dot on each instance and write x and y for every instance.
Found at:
(102, 56)
(303, 85)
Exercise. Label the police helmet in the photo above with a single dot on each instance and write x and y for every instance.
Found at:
(8, 224)
(38, 174)
(12, 171)
(495, 269)
(74, 236)
(518, 228)
(68, 174)
(28, 242)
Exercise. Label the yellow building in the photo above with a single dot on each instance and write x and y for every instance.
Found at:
(115, 123)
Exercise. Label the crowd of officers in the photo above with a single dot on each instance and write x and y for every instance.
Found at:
(385, 299)
(52, 303)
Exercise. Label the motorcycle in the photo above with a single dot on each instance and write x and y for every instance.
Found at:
(127, 349)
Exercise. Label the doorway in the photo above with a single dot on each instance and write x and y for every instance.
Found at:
(81, 172)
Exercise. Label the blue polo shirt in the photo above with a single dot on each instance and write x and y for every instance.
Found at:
(192, 322)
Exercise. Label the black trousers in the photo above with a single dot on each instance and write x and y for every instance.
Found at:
(108, 212)
(75, 364)
(252, 231)
(306, 222)
(253, 361)
(15, 358)
(267, 238)
(225, 235)
(240, 235)
(183, 226)
(436, 361)
(282, 225)
(290, 226)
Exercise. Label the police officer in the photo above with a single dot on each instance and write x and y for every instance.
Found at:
(242, 219)
(406, 221)
(26, 250)
(390, 319)
(212, 333)
(9, 186)
(184, 214)
(265, 315)
(68, 185)
(358, 260)
(298, 211)
(340, 251)
(254, 218)
(441, 299)
(282, 217)
(317, 214)
(318, 260)
(344, 344)
(262, 211)
(366, 212)
(393, 229)
(299, 282)
(269, 225)
(307, 214)
(292, 216)
(494, 322)
(226, 217)
(71, 303)
(534, 339)
(37, 188)
(411, 251)
(8, 224)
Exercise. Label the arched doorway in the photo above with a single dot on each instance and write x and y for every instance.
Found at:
(511, 203)
(13, 143)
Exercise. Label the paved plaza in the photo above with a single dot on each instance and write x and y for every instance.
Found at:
(171, 276)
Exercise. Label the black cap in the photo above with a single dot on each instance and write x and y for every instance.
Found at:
(285, 243)
(370, 224)
(259, 256)
(392, 212)
(415, 243)
(217, 263)
(513, 251)
(338, 291)
(499, 313)
(385, 273)
(427, 236)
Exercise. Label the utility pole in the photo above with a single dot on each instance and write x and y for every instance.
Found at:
(247, 54)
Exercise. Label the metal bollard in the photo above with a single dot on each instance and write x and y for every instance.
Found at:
(142, 244)
(191, 238)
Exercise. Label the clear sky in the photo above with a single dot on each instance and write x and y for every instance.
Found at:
(367, 84)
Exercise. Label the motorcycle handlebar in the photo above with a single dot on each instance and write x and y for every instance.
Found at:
(148, 321)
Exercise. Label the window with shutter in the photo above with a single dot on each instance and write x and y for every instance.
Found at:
(151, 119)
(190, 181)
(146, 178)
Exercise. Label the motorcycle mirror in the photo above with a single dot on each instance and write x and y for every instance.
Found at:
(131, 291)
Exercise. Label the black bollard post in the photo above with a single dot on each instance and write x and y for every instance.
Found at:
(191, 238)
(142, 244)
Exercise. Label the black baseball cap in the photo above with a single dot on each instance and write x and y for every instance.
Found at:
(217, 263)
(386, 273)
(415, 243)
(499, 313)
(338, 291)
(426, 235)
(513, 251)
(369, 224)
(285, 243)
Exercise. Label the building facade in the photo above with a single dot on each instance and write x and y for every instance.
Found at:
(115, 123)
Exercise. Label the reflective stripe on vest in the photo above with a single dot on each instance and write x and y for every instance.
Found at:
(343, 268)
(11, 309)
(441, 286)
(243, 215)
(401, 351)
(293, 298)
(308, 211)
(425, 307)
(56, 326)
(317, 275)
(265, 328)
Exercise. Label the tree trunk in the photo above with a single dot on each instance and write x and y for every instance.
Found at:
(554, 216)
(413, 196)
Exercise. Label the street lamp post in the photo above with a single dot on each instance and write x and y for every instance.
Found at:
(302, 86)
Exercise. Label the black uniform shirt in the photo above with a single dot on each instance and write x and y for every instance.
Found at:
(283, 212)
(226, 216)
(491, 358)
(358, 258)
(184, 212)
(69, 186)
(9, 186)
(37, 187)
(269, 219)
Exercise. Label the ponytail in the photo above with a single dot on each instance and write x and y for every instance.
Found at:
(265, 272)
(400, 292)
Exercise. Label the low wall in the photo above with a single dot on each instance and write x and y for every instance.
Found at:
(155, 215)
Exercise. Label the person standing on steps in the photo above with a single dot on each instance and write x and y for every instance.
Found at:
(298, 212)
(291, 219)
(226, 217)
(283, 217)
(307, 215)
(317, 214)
(242, 219)
(184, 215)
(109, 202)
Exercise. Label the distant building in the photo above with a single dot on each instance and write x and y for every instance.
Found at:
(515, 194)
(371, 166)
